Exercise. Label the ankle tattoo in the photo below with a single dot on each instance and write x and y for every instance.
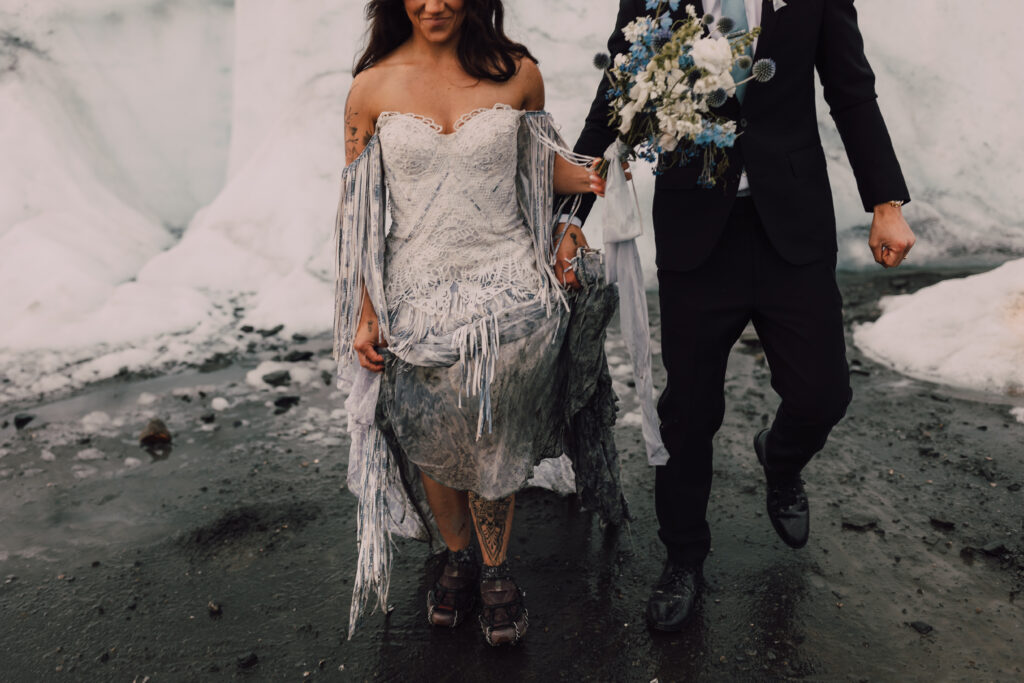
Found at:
(491, 521)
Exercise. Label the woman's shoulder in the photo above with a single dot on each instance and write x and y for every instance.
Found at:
(530, 82)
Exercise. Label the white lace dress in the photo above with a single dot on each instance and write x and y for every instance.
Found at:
(490, 368)
(460, 253)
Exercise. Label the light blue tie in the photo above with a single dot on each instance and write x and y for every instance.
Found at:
(737, 11)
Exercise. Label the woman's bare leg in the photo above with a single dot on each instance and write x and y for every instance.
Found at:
(451, 511)
(493, 521)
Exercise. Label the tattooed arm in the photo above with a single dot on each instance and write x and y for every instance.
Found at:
(359, 125)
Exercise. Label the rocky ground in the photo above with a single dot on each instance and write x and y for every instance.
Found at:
(228, 553)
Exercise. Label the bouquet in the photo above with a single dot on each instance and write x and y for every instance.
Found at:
(664, 89)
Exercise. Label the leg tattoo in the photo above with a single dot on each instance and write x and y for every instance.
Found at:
(492, 519)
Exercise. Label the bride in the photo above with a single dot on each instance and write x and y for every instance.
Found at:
(477, 323)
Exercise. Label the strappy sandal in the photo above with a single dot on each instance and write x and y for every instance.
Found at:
(503, 616)
(454, 593)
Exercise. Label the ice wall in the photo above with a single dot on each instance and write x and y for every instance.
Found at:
(123, 116)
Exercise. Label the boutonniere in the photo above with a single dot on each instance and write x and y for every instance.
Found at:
(778, 4)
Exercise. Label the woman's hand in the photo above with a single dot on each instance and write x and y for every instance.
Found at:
(573, 179)
(565, 252)
(367, 338)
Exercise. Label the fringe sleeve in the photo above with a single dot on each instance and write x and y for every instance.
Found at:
(359, 247)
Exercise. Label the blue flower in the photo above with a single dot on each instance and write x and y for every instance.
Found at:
(673, 4)
(666, 22)
(653, 4)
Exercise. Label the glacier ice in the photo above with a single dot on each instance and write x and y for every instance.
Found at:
(121, 122)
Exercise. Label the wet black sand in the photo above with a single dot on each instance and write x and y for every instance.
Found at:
(913, 572)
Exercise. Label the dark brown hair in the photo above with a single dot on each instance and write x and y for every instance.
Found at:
(484, 50)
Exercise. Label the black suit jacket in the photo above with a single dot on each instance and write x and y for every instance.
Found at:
(779, 144)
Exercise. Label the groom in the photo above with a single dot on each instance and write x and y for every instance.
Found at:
(760, 247)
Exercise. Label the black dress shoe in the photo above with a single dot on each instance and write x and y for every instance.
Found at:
(671, 602)
(787, 501)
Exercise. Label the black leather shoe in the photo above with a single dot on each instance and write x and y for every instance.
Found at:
(672, 600)
(787, 501)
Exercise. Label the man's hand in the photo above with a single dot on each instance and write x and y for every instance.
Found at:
(565, 252)
(891, 238)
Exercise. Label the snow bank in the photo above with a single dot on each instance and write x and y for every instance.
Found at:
(967, 332)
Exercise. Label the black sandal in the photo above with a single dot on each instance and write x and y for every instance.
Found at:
(503, 616)
(454, 593)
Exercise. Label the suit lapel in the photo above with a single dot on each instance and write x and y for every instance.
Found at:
(768, 18)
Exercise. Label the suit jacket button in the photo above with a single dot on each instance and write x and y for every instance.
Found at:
(743, 123)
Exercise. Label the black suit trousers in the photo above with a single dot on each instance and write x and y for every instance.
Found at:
(797, 311)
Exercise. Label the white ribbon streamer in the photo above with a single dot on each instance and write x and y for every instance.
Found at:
(622, 225)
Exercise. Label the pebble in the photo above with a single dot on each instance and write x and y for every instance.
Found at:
(156, 432)
(298, 356)
(21, 420)
(271, 332)
(278, 378)
(220, 403)
(921, 627)
(248, 661)
(285, 403)
(943, 524)
(859, 522)
(209, 417)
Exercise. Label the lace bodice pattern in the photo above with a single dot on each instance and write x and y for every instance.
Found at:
(458, 248)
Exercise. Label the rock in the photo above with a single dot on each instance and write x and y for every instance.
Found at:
(921, 627)
(220, 403)
(328, 377)
(155, 433)
(21, 420)
(215, 608)
(278, 378)
(217, 361)
(298, 356)
(995, 549)
(1014, 487)
(299, 338)
(928, 452)
(248, 661)
(943, 524)
(271, 332)
(859, 522)
(209, 417)
(247, 328)
(900, 283)
(285, 403)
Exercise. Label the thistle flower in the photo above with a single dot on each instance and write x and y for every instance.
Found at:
(708, 19)
(725, 25)
(764, 70)
(716, 98)
(744, 62)
(602, 61)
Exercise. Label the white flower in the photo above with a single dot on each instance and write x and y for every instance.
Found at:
(691, 11)
(640, 93)
(636, 28)
(627, 114)
(620, 60)
(713, 54)
(779, 4)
